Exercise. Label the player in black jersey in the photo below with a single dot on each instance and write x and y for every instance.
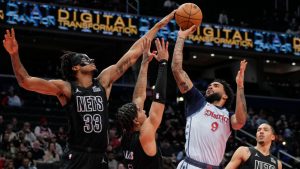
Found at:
(84, 97)
(139, 146)
(257, 157)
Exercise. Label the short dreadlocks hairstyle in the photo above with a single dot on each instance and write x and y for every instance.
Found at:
(228, 91)
(67, 64)
(126, 115)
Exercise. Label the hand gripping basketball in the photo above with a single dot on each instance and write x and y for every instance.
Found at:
(187, 15)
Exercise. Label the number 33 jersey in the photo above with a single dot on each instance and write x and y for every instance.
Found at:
(207, 129)
(88, 117)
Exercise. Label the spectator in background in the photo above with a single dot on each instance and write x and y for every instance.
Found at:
(37, 152)
(9, 131)
(43, 131)
(61, 137)
(112, 162)
(29, 136)
(5, 143)
(18, 159)
(15, 124)
(51, 154)
(114, 139)
(12, 99)
(26, 164)
(9, 164)
(58, 147)
(223, 18)
(168, 4)
(121, 166)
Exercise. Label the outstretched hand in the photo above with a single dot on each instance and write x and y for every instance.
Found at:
(187, 32)
(147, 55)
(164, 21)
(10, 43)
(162, 49)
(240, 75)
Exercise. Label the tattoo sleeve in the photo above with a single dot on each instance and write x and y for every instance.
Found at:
(123, 66)
(241, 107)
(182, 79)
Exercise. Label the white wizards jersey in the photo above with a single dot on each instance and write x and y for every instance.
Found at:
(207, 129)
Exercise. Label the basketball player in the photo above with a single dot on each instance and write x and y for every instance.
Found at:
(257, 157)
(209, 122)
(138, 142)
(84, 98)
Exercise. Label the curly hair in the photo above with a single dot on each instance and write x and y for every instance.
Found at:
(125, 116)
(228, 91)
(67, 62)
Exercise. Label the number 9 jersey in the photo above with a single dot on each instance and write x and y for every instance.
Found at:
(207, 129)
(88, 118)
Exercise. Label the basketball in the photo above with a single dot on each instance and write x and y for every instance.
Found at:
(187, 15)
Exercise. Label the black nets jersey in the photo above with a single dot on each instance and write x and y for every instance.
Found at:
(258, 161)
(88, 118)
(134, 155)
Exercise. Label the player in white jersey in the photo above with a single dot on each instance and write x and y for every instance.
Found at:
(209, 122)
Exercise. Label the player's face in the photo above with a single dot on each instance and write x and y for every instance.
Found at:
(214, 92)
(264, 134)
(87, 64)
(85, 60)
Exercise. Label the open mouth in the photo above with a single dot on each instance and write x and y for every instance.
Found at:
(209, 92)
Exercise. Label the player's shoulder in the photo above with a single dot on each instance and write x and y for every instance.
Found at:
(243, 149)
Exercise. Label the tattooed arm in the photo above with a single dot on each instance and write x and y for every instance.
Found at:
(182, 79)
(109, 75)
(43, 86)
(238, 120)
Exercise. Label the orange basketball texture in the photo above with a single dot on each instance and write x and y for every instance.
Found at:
(187, 15)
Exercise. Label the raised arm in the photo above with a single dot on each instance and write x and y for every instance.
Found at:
(238, 120)
(49, 87)
(183, 81)
(109, 75)
(239, 156)
(139, 94)
(149, 127)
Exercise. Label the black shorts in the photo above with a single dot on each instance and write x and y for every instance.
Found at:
(83, 160)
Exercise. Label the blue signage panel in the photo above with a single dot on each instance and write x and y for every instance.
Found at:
(92, 21)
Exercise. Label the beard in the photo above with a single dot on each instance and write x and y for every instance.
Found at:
(213, 97)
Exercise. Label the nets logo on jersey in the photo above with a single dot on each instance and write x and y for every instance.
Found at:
(263, 165)
(89, 103)
(96, 89)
